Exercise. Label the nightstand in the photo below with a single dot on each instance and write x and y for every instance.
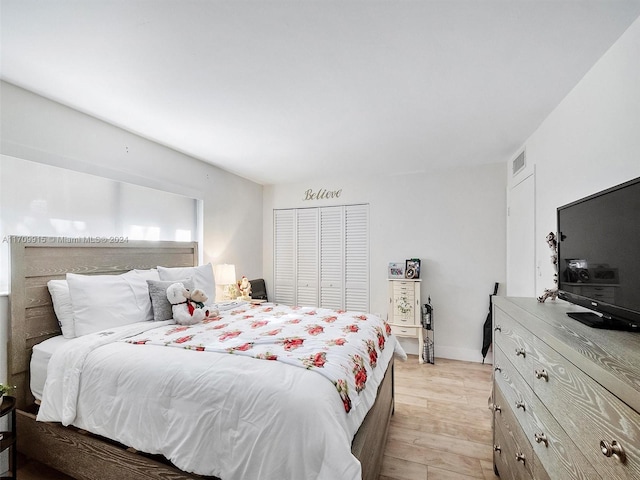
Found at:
(8, 438)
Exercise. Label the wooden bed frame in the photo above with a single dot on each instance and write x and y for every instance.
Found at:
(35, 261)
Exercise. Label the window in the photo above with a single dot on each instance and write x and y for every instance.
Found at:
(42, 200)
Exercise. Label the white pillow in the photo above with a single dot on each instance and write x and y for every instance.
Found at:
(107, 301)
(59, 290)
(151, 274)
(202, 277)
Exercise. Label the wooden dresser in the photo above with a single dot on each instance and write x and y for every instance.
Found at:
(566, 396)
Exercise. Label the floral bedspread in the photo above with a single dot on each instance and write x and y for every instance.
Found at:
(342, 346)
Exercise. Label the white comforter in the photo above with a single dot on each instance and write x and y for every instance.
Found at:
(216, 414)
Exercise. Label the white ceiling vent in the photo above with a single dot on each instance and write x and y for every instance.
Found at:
(519, 163)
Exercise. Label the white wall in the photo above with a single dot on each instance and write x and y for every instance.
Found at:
(34, 128)
(590, 142)
(452, 219)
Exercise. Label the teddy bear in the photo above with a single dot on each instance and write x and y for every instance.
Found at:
(188, 307)
(199, 298)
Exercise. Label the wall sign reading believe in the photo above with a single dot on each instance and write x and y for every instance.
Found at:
(321, 194)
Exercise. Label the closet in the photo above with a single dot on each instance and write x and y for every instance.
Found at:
(321, 257)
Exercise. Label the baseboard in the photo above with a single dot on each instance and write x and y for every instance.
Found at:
(464, 354)
(410, 346)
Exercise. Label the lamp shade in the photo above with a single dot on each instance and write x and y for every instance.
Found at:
(225, 274)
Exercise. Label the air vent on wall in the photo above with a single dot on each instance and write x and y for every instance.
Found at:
(518, 163)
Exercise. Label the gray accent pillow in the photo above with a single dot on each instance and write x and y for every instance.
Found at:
(158, 292)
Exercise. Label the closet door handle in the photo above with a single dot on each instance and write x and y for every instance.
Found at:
(521, 351)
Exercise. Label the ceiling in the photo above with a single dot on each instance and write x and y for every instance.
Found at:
(286, 91)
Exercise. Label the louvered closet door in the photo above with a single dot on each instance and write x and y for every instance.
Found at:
(284, 256)
(321, 257)
(307, 257)
(332, 257)
(357, 257)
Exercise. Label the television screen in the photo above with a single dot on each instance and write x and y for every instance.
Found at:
(599, 256)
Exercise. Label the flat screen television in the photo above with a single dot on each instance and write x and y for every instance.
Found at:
(599, 257)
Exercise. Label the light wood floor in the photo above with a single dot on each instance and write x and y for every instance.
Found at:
(441, 429)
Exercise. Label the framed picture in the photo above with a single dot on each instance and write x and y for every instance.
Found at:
(396, 270)
(412, 268)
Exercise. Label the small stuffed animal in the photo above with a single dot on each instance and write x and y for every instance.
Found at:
(185, 310)
(245, 289)
(199, 298)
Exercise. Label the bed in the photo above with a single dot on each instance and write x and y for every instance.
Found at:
(74, 451)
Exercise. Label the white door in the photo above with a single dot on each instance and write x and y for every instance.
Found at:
(521, 252)
(284, 266)
(332, 257)
(307, 257)
(356, 264)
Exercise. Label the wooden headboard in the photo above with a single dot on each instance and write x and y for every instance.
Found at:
(36, 260)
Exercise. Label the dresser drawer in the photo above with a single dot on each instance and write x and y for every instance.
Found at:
(407, 319)
(517, 394)
(515, 341)
(589, 414)
(504, 457)
(405, 309)
(560, 457)
(554, 448)
(514, 450)
(402, 331)
(408, 296)
(501, 458)
(403, 287)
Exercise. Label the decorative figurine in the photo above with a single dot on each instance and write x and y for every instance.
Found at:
(552, 293)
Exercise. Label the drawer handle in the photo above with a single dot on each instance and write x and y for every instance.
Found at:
(542, 374)
(497, 328)
(541, 438)
(497, 408)
(497, 448)
(497, 368)
(520, 457)
(521, 351)
(520, 404)
(612, 449)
